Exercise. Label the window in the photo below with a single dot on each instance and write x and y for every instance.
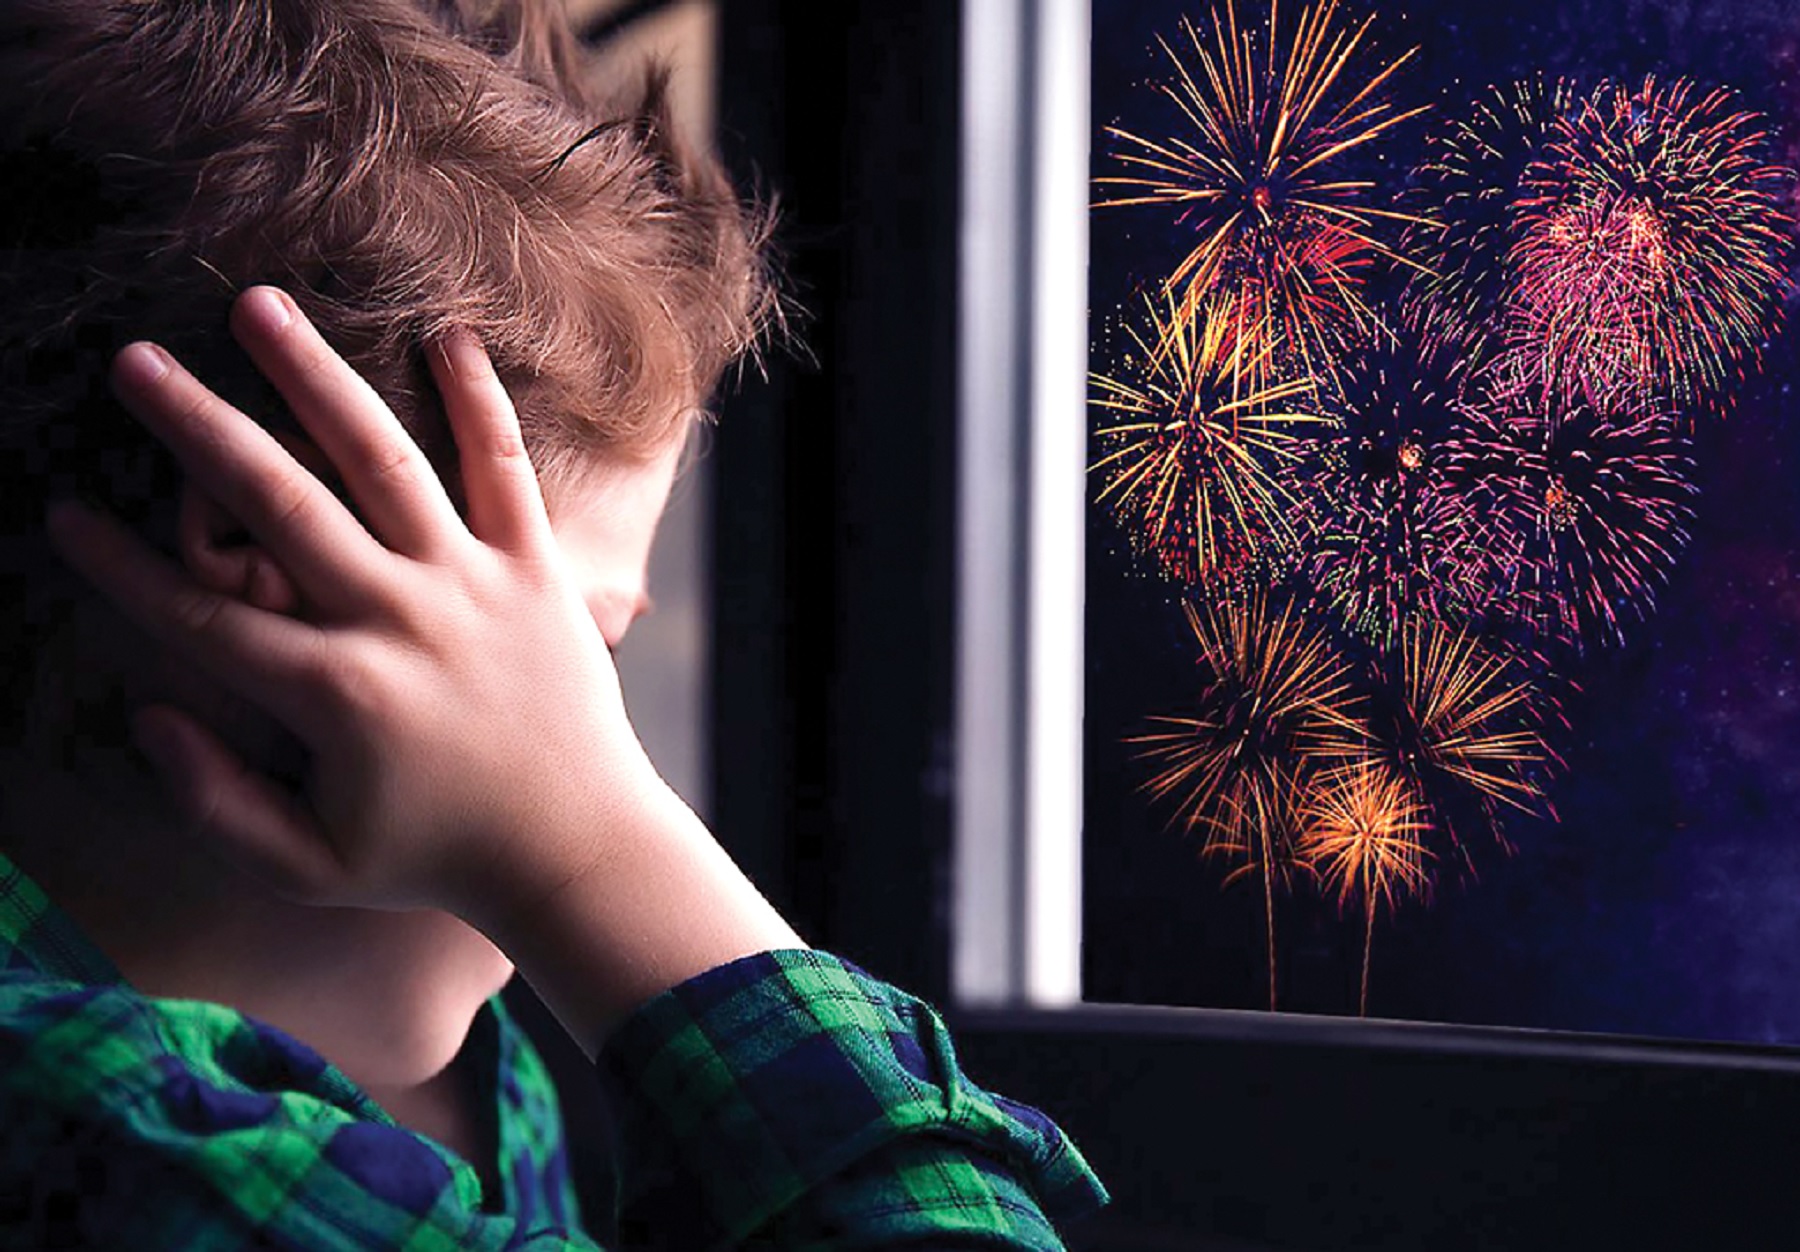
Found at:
(1467, 404)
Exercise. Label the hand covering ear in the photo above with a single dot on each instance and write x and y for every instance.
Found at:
(220, 553)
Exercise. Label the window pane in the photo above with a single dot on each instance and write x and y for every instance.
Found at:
(1441, 614)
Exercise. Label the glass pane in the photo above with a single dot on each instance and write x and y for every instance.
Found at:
(1441, 613)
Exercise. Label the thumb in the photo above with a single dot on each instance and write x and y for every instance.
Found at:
(248, 820)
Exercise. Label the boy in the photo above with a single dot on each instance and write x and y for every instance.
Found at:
(390, 757)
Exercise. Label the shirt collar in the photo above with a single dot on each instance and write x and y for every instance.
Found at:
(37, 935)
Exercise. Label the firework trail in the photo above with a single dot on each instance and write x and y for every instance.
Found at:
(1586, 501)
(1361, 834)
(1274, 697)
(1256, 168)
(1388, 539)
(1465, 733)
(1652, 243)
(1467, 227)
(1191, 445)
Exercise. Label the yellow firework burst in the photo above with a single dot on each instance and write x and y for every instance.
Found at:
(1274, 697)
(1193, 441)
(1362, 832)
(1256, 166)
(1463, 732)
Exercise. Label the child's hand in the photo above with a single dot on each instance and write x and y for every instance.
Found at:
(469, 743)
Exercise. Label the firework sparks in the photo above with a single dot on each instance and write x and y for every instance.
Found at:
(1388, 540)
(1652, 242)
(1274, 696)
(1468, 485)
(1587, 500)
(1466, 187)
(1589, 279)
(1361, 833)
(1192, 445)
(1467, 736)
(1256, 169)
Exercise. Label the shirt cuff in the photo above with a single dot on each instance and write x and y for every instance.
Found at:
(743, 1089)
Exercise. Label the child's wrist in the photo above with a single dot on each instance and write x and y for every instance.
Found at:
(651, 902)
(555, 839)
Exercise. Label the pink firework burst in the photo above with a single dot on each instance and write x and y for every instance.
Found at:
(1652, 242)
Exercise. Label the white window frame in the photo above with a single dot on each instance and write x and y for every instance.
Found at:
(1021, 486)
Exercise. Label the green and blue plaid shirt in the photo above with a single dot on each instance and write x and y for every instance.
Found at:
(786, 1100)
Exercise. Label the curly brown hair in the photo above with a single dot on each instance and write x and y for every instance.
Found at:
(400, 167)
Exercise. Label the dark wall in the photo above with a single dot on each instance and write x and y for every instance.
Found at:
(832, 552)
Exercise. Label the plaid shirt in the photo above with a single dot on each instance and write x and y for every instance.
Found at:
(786, 1100)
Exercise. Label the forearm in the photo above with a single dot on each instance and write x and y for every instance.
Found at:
(662, 903)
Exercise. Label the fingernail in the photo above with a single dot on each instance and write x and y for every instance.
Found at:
(141, 364)
(268, 308)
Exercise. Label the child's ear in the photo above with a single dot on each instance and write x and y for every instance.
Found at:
(222, 555)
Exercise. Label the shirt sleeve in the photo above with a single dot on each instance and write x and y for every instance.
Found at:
(790, 1100)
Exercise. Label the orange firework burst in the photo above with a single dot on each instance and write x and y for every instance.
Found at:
(1194, 442)
(1361, 833)
(1462, 732)
(1275, 696)
(1652, 242)
(1256, 168)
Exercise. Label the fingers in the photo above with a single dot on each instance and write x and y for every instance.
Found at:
(240, 465)
(244, 571)
(506, 504)
(251, 822)
(272, 660)
(388, 476)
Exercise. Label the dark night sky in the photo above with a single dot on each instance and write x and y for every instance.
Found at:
(1666, 900)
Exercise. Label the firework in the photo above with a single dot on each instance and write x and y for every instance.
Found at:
(1466, 190)
(1586, 500)
(1388, 539)
(1256, 169)
(1274, 696)
(1191, 443)
(1454, 722)
(1652, 242)
(1589, 275)
(1361, 833)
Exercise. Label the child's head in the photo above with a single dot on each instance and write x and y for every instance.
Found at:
(399, 166)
